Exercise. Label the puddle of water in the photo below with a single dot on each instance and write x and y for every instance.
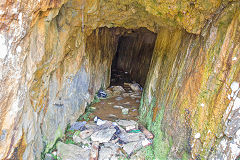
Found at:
(106, 111)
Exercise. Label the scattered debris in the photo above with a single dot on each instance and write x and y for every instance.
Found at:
(101, 94)
(104, 139)
(128, 124)
(134, 110)
(103, 135)
(136, 87)
(118, 98)
(86, 133)
(125, 111)
(135, 96)
(125, 94)
(134, 131)
(130, 147)
(71, 151)
(94, 151)
(78, 139)
(112, 115)
(146, 132)
(99, 121)
(146, 142)
(118, 88)
(78, 125)
(118, 107)
(110, 140)
(126, 84)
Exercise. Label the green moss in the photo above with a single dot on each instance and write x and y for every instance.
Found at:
(161, 143)
(54, 156)
(69, 141)
(149, 153)
(149, 115)
(95, 100)
(142, 109)
(185, 156)
(51, 145)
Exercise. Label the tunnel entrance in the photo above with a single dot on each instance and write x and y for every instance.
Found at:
(116, 63)
(129, 69)
(133, 56)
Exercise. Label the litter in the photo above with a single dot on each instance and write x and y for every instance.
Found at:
(118, 98)
(146, 132)
(99, 121)
(94, 151)
(125, 111)
(134, 110)
(78, 126)
(146, 142)
(118, 107)
(101, 93)
(134, 131)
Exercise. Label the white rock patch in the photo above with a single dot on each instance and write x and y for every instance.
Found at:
(234, 86)
(3, 50)
(235, 150)
(197, 135)
(236, 104)
(223, 143)
(234, 58)
(19, 49)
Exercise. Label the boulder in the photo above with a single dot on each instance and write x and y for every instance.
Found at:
(71, 151)
(136, 87)
(86, 133)
(129, 148)
(128, 124)
(103, 135)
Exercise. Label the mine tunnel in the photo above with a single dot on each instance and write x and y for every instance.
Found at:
(133, 56)
(110, 79)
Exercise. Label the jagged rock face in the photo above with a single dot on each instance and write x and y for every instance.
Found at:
(53, 58)
(188, 90)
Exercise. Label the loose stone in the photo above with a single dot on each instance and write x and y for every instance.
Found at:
(125, 111)
(103, 135)
(86, 133)
(71, 151)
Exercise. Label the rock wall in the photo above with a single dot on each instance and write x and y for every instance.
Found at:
(61, 69)
(53, 59)
(188, 91)
(134, 53)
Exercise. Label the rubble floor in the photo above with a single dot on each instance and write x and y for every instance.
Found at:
(108, 130)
